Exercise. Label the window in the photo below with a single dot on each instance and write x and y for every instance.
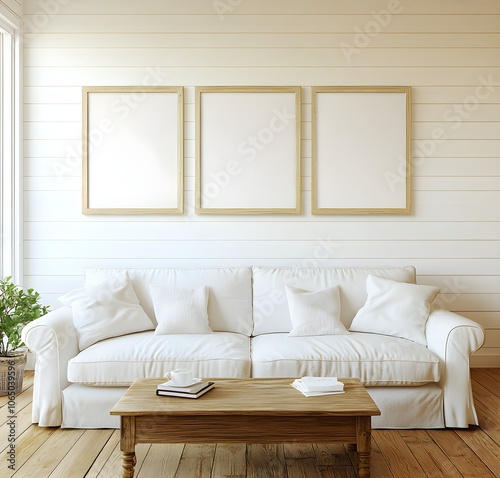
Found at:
(10, 153)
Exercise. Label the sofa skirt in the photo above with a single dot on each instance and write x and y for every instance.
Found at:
(88, 407)
(401, 407)
(408, 407)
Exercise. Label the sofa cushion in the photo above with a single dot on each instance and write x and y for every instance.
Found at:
(271, 313)
(121, 360)
(374, 359)
(107, 309)
(230, 290)
(395, 308)
(314, 312)
(181, 311)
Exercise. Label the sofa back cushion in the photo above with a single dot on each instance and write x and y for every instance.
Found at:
(230, 292)
(270, 305)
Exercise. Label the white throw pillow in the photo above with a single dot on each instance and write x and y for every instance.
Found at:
(314, 312)
(105, 310)
(395, 308)
(181, 311)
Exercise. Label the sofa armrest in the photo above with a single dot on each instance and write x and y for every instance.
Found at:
(53, 340)
(453, 338)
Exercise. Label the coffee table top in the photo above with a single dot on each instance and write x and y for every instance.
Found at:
(247, 397)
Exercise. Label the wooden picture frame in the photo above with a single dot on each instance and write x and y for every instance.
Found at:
(133, 150)
(248, 150)
(361, 150)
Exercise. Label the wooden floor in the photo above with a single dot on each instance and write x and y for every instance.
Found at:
(66, 453)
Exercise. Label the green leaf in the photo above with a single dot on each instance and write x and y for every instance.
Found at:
(17, 308)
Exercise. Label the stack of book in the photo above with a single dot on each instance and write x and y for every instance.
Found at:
(316, 386)
(196, 390)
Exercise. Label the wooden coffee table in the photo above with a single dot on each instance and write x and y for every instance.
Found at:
(246, 411)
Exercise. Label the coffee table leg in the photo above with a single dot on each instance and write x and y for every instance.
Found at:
(364, 437)
(128, 464)
(127, 446)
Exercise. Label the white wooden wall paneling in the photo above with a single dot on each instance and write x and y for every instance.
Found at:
(444, 50)
(259, 23)
(284, 40)
(12, 11)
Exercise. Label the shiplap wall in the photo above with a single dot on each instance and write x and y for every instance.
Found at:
(445, 50)
(12, 11)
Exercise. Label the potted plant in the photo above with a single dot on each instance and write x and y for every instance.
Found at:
(17, 308)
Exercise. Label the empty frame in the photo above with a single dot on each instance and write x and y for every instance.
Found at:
(361, 151)
(132, 150)
(248, 150)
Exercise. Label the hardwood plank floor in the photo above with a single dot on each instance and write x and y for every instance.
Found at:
(450, 453)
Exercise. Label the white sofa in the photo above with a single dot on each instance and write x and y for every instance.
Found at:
(415, 386)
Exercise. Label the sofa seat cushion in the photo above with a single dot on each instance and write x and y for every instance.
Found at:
(120, 360)
(375, 359)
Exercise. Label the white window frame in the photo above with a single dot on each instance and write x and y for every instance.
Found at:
(11, 255)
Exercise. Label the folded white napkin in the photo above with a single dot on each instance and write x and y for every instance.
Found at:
(317, 386)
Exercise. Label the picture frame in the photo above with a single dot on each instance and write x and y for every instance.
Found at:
(361, 150)
(248, 150)
(132, 150)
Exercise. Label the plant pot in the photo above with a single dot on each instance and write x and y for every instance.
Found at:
(12, 373)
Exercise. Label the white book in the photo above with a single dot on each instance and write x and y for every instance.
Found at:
(322, 384)
(297, 384)
(193, 388)
(185, 394)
